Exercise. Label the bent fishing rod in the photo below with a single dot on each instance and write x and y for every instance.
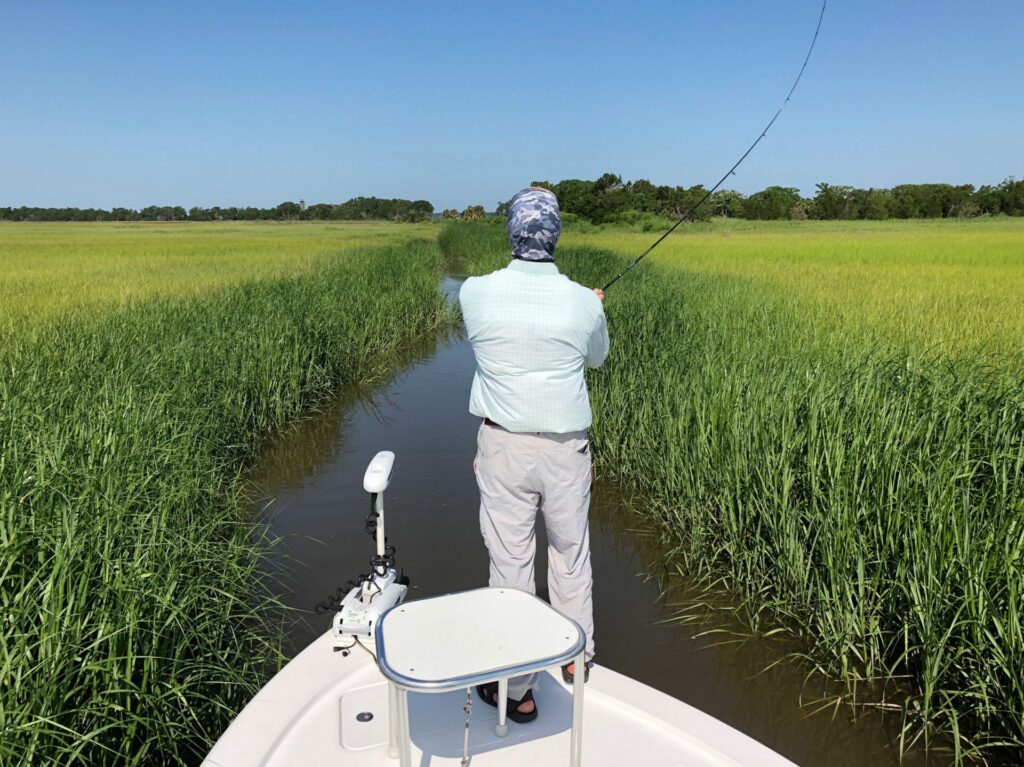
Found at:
(707, 195)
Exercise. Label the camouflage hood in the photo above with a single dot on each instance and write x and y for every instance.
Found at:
(534, 224)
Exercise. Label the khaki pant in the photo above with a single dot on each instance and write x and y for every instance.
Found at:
(519, 474)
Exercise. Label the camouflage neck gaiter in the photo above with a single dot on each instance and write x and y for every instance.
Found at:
(534, 224)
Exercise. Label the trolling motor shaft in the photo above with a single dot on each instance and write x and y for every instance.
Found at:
(383, 588)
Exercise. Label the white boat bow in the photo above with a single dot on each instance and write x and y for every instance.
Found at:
(314, 712)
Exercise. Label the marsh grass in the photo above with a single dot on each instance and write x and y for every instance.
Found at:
(950, 287)
(50, 270)
(135, 615)
(864, 491)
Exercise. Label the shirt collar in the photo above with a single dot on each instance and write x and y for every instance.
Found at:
(534, 268)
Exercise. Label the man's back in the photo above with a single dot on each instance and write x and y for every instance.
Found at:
(533, 331)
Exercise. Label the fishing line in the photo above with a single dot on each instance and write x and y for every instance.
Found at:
(737, 164)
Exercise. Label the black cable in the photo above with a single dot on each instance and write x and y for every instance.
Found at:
(372, 654)
(731, 170)
(333, 602)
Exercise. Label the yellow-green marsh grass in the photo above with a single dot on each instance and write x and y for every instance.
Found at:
(51, 269)
(954, 286)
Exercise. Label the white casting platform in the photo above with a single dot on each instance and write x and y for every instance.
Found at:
(457, 641)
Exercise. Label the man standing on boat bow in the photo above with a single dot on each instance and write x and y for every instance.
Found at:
(533, 332)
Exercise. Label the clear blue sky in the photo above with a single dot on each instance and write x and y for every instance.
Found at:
(253, 103)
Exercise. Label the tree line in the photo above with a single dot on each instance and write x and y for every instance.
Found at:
(356, 209)
(609, 199)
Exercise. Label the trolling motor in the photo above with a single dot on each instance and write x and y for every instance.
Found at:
(383, 587)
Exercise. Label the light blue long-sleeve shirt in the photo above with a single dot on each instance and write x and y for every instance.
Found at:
(533, 331)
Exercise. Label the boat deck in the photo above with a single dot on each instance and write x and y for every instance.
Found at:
(308, 714)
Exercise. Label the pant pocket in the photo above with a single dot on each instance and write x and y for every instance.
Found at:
(488, 443)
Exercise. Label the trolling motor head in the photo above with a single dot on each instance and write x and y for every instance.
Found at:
(383, 588)
(378, 473)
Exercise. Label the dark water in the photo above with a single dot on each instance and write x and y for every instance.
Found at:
(312, 482)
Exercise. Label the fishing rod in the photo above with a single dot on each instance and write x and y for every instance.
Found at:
(690, 211)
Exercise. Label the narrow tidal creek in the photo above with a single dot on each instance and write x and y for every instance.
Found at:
(310, 480)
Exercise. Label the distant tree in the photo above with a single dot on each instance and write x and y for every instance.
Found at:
(1012, 197)
(989, 199)
(577, 196)
(921, 200)
(873, 204)
(163, 213)
(319, 211)
(773, 203)
(287, 211)
(612, 197)
(726, 202)
(419, 210)
(801, 211)
(642, 195)
(969, 209)
(835, 202)
(474, 213)
(449, 213)
(687, 199)
(957, 200)
(360, 208)
(608, 182)
(1012, 193)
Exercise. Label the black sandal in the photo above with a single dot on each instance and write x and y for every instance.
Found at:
(489, 693)
(568, 677)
